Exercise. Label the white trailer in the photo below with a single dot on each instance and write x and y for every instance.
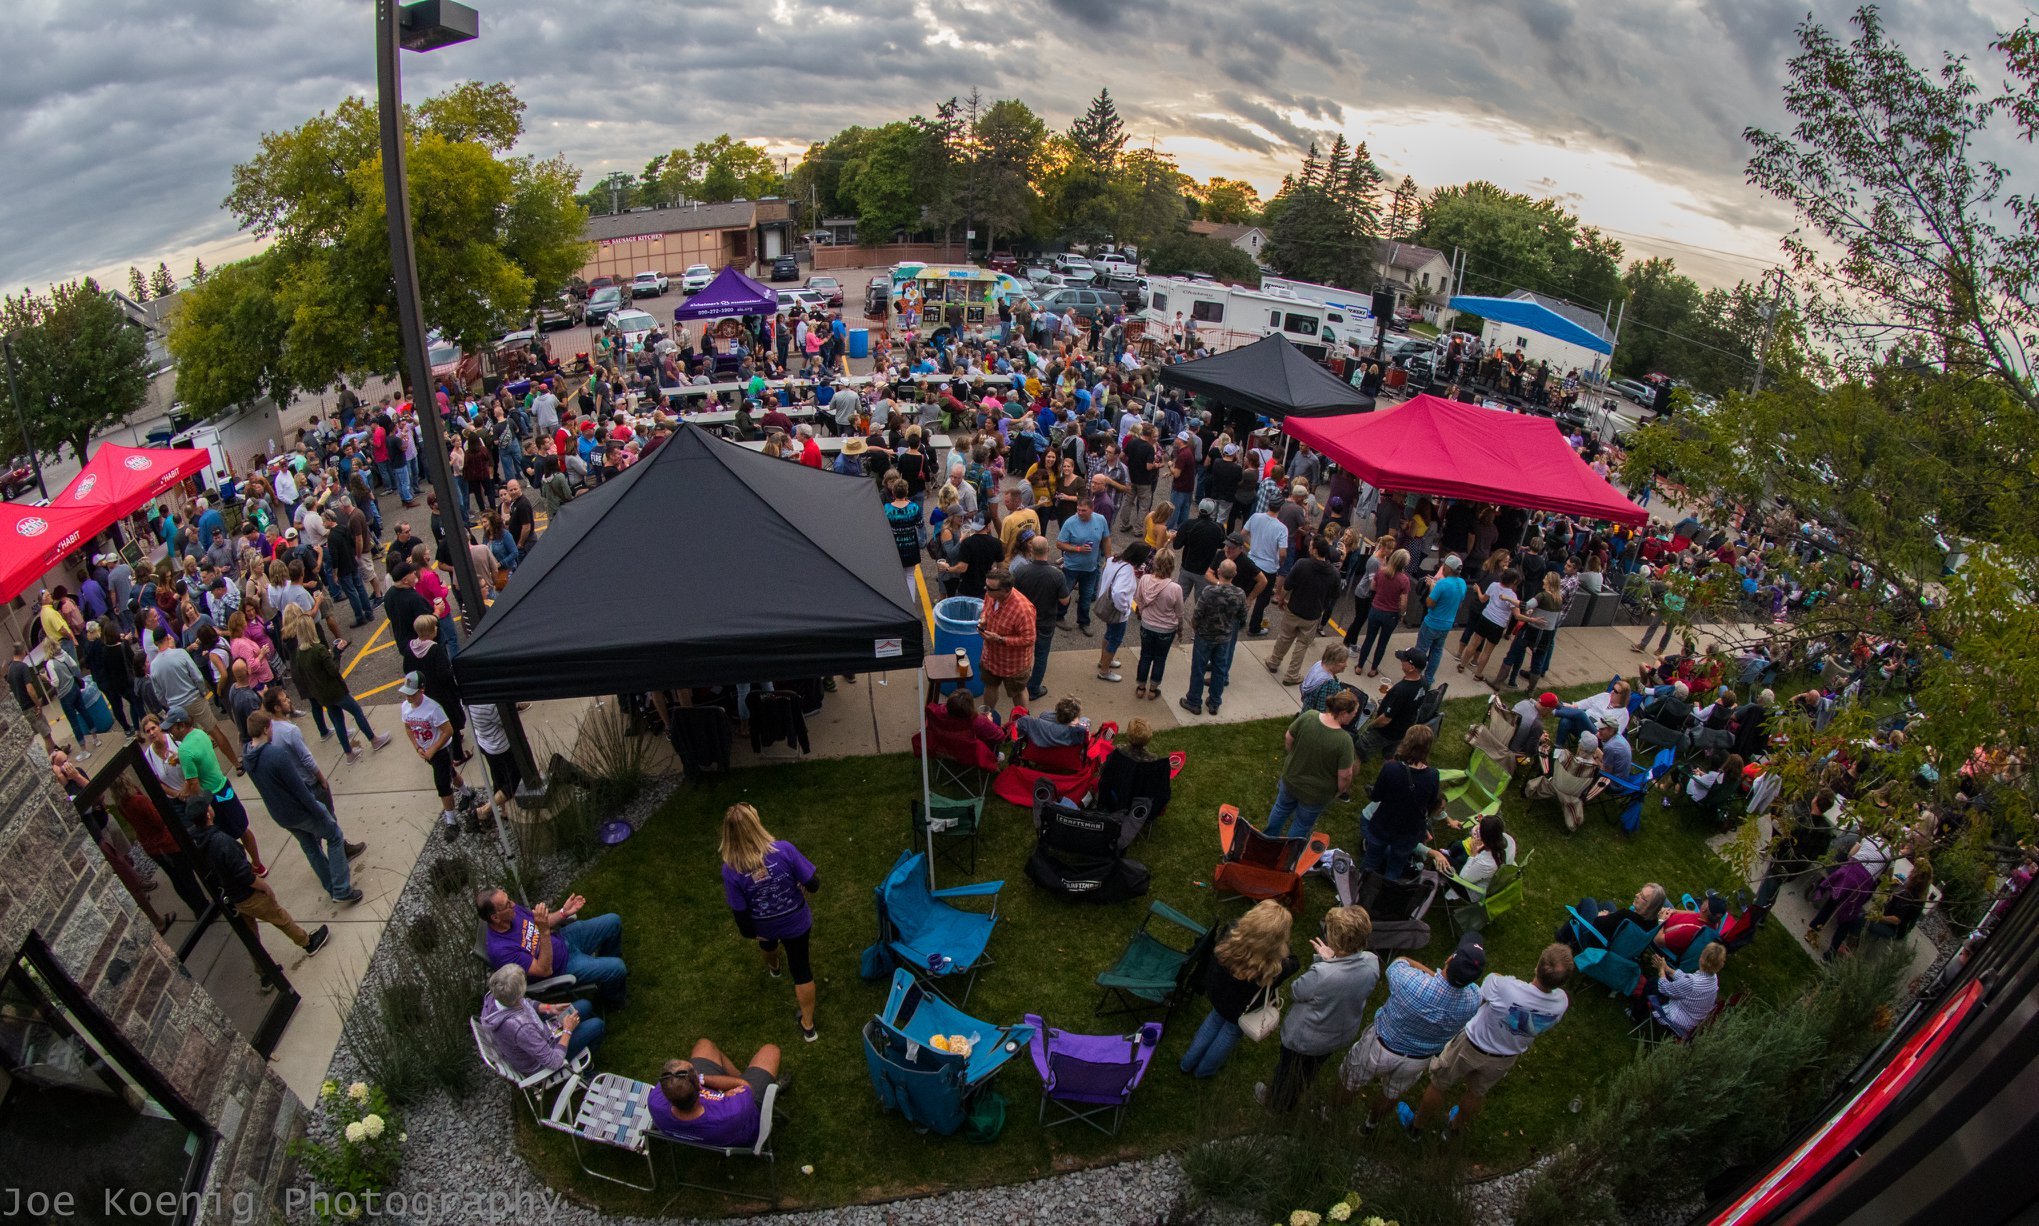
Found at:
(1227, 316)
(1348, 313)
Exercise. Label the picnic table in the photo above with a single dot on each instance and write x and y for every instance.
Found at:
(834, 446)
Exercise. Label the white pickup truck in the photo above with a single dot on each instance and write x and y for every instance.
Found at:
(649, 285)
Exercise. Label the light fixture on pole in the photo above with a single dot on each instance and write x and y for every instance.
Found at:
(425, 26)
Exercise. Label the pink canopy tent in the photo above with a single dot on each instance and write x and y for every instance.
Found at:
(1430, 445)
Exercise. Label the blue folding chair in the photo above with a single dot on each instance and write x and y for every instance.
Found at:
(1688, 962)
(927, 935)
(1633, 789)
(932, 1088)
(1615, 962)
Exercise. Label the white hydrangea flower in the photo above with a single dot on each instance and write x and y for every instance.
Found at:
(358, 1091)
(372, 1125)
(356, 1133)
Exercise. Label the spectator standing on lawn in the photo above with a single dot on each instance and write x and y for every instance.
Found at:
(1326, 1005)
(1511, 1015)
(1318, 767)
(766, 882)
(1250, 961)
(1424, 1011)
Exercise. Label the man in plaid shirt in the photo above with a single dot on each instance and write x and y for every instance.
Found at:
(1007, 625)
(1425, 1009)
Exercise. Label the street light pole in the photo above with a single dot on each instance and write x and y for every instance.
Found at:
(27, 443)
(430, 24)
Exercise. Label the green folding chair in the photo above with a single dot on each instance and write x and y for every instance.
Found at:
(1502, 895)
(954, 824)
(1480, 794)
(1154, 973)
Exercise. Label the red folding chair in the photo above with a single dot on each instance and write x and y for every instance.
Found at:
(961, 766)
(1256, 865)
(1071, 769)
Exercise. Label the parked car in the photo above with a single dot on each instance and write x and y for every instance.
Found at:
(18, 479)
(805, 299)
(1032, 273)
(602, 283)
(1089, 304)
(649, 285)
(1409, 347)
(696, 278)
(1130, 287)
(1003, 261)
(562, 312)
(878, 296)
(602, 303)
(828, 287)
(785, 268)
(1044, 282)
(1634, 390)
(632, 324)
(1078, 270)
(1114, 263)
(443, 355)
(819, 238)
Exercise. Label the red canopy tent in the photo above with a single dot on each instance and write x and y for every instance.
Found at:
(116, 481)
(1430, 445)
(33, 539)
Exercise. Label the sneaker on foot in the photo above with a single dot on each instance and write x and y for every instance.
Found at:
(317, 940)
(807, 1033)
(1210, 708)
(351, 896)
(1109, 677)
(380, 741)
(1187, 705)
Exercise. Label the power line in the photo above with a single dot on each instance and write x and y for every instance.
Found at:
(1659, 240)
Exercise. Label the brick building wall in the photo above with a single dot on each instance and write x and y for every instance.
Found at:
(54, 882)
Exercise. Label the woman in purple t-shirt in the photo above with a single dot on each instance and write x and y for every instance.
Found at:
(766, 881)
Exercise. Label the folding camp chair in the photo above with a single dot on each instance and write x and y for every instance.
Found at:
(1255, 865)
(1649, 1032)
(614, 1112)
(959, 764)
(551, 990)
(927, 935)
(1398, 908)
(1491, 738)
(1614, 963)
(1090, 1075)
(1688, 961)
(1632, 789)
(1121, 781)
(1072, 769)
(952, 827)
(933, 1086)
(532, 1085)
(1151, 972)
(1570, 780)
(768, 1110)
(1481, 906)
(1649, 734)
(1480, 794)
(1081, 853)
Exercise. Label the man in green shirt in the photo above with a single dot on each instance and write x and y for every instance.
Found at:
(1319, 766)
(204, 779)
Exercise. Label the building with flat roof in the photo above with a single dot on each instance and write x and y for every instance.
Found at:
(742, 233)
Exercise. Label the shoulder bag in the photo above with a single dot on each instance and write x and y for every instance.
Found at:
(1264, 1018)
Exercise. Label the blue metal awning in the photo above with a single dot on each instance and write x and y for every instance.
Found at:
(1524, 313)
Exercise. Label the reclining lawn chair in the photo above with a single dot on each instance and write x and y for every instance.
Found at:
(1398, 908)
(1479, 795)
(1491, 738)
(1072, 769)
(1090, 1075)
(532, 1086)
(1649, 734)
(1256, 865)
(1081, 853)
(1633, 789)
(918, 927)
(950, 825)
(933, 1088)
(959, 764)
(1121, 781)
(1614, 963)
(614, 1112)
(1570, 780)
(1687, 962)
(1152, 973)
(1477, 906)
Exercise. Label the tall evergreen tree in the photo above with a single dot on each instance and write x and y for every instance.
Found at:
(198, 273)
(161, 283)
(137, 286)
(1405, 209)
(1099, 133)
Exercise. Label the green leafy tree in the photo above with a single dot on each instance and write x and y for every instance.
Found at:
(879, 182)
(229, 338)
(1150, 197)
(1099, 134)
(494, 233)
(1663, 305)
(1514, 242)
(161, 283)
(1010, 144)
(83, 366)
(713, 171)
(1182, 252)
(944, 165)
(617, 192)
(1226, 201)
(137, 285)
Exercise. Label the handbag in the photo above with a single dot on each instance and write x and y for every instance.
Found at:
(1263, 1019)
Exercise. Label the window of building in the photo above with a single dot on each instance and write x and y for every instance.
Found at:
(80, 1113)
(1207, 312)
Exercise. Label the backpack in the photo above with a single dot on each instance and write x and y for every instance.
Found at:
(212, 686)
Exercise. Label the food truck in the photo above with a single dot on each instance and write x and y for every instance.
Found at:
(926, 297)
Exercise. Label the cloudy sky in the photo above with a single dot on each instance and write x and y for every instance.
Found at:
(120, 119)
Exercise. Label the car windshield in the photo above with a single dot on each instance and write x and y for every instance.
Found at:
(821, 282)
(633, 321)
(441, 354)
(607, 293)
(698, 270)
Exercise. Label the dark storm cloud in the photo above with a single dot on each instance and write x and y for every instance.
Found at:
(120, 120)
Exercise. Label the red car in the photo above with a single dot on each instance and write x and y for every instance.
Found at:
(1003, 261)
(829, 288)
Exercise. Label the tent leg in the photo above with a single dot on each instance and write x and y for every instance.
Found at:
(927, 805)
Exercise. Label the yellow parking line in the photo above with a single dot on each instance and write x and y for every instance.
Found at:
(927, 608)
(387, 685)
(366, 648)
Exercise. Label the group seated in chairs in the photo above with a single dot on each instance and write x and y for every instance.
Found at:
(1062, 749)
(1665, 961)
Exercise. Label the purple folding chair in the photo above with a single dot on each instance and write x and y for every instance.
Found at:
(1090, 1075)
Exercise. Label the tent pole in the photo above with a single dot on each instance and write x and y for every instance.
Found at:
(926, 789)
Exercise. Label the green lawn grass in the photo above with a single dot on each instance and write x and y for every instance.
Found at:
(692, 975)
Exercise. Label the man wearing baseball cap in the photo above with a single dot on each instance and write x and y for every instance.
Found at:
(1425, 1010)
(431, 731)
(1447, 592)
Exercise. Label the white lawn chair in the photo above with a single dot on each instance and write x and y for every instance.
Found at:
(533, 1085)
(613, 1112)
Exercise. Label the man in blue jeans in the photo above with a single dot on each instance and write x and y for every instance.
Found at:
(1082, 541)
(542, 942)
(1220, 615)
(1447, 593)
(1318, 769)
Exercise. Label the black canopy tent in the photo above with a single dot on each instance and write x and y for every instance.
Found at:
(703, 564)
(1270, 377)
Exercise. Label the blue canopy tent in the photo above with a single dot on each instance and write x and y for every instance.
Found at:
(1532, 315)
(730, 294)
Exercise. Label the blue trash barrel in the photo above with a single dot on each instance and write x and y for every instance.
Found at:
(860, 342)
(785, 395)
(956, 627)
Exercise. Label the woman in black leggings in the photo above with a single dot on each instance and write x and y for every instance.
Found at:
(766, 881)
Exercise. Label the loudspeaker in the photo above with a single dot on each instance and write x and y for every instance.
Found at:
(1662, 403)
(1384, 304)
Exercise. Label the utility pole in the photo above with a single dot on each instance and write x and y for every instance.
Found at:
(27, 443)
(1770, 314)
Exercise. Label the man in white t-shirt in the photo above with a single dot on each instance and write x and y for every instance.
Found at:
(431, 733)
(1512, 1014)
(1586, 714)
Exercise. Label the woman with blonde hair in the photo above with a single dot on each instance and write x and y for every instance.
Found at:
(766, 882)
(1252, 958)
